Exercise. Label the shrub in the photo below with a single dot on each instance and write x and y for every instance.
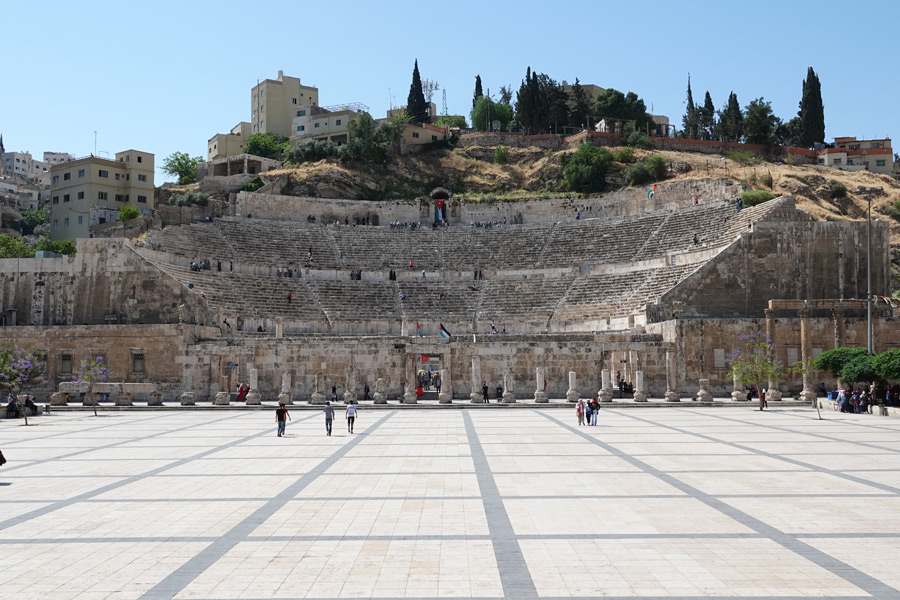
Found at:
(766, 180)
(637, 174)
(744, 158)
(652, 168)
(625, 155)
(253, 185)
(189, 199)
(753, 197)
(639, 140)
(586, 169)
(892, 210)
(128, 212)
(657, 167)
(311, 151)
(838, 189)
(501, 155)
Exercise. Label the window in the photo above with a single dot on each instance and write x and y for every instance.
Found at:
(65, 364)
(121, 198)
(55, 177)
(879, 163)
(434, 138)
(137, 362)
(117, 176)
(81, 195)
(255, 128)
(293, 101)
(254, 112)
(301, 113)
(65, 197)
(317, 124)
(55, 199)
(415, 134)
(262, 123)
(262, 108)
(127, 158)
(66, 222)
(104, 173)
(81, 172)
(55, 224)
(837, 161)
(140, 159)
(142, 199)
(719, 358)
(142, 177)
(301, 128)
(262, 93)
(67, 176)
(337, 121)
(101, 196)
(79, 219)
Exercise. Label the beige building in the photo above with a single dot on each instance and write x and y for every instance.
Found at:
(223, 145)
(325, 122)
(851, 154)
(90, 191)
(23, 165)
(55, 158)
(274, 103)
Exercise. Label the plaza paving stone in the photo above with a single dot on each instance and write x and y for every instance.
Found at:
(678, 502)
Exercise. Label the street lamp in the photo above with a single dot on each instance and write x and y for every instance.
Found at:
(869, 277)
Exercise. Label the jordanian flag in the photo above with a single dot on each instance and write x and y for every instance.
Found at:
(444, 333)
(419, 330)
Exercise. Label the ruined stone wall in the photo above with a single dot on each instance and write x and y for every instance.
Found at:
(799, 260)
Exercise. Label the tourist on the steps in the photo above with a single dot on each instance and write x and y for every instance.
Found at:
(334, 392)
(329, 417)
(281, 417)
(484, 392)
(351, 416)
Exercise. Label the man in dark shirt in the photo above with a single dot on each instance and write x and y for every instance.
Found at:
(329, 417)
(282, 416)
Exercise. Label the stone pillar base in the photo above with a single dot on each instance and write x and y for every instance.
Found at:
(379, 398)
(604, 396)
(704, 396)
(317, 398)
(286, 398)
(541, 397)
(222, 399)
(124, 399)
(91, 399)
(775, 395)
(672, 396)
(253, 398)
(445, 398)
(476, 398)
(155, 399)
(739, 396)
(410, 398)
(188, 399)
(349, 396)
(805, 396)
(640, 397)
(59, 399)
(509, 398)
(572, 396)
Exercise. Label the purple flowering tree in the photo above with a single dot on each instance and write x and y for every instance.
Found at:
(92, 370)
(18, 368)
(755, 362)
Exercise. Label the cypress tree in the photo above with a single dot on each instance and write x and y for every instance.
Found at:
(690, 120)
(707, 118)
(416, 107)
(812, 111)
(524, 112)
(478, 93)
(731, 120)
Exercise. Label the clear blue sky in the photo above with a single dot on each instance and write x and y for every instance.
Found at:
(166, 76)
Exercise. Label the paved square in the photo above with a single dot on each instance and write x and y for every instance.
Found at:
(521, 503)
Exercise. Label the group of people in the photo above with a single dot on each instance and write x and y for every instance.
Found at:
(288, 271)
(404, 225)
(282, 416)
(587, 412)
(488, 224)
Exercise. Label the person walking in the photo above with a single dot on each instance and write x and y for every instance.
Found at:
(351, 416)
(587, 413)
(329, 417)
(334, 392)
(484, 392)
(282, 416)
(595, 410)
(579, 411)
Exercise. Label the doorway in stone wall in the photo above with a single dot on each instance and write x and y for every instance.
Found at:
(428, 375)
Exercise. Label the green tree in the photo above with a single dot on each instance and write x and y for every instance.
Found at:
(362, 141)
(613, 104)
(505, 95)
(834, 361)
(586, 169)
(183, 166)
(12, 247)
(887, 365)
(64, 247)
(707, 119)
(267, 145)
(759, 122)
(486, 110)
(128, 212)
(452, 121)
(416, 106)
(731, 120)
(754, 363)
(93, 370)
(691, 119)
(812, 111)
(859, 369)
(478, 91)
(557, 107)
(36, 221)
(580, 114)
(529, 110)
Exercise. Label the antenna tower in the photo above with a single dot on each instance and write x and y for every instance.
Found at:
(444, 107)
(429, 87)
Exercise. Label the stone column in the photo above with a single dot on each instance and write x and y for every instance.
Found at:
(540, 396)
(671, 378)
(409, 397)
(279, 328)
(285, 394)
(605, 393)
(508, 385)
(738, 394)
(124, 399)
(838, 327)
(807, 394)
(703, 394)
(640, 394)
(154, 399)
(446, 395)
(59, 399)
(188, 399)
(253, 396)
(222, 399)
(318, 395)
(350, 387)
(772, 393)
(572, 394)
(475, 395)
(380, 387)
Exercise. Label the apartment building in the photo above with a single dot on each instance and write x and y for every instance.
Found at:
(90, 191)
(54, 158)
(324, 122)
(224, 145)
(851, 154)
(24, 165)
(274, 104)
